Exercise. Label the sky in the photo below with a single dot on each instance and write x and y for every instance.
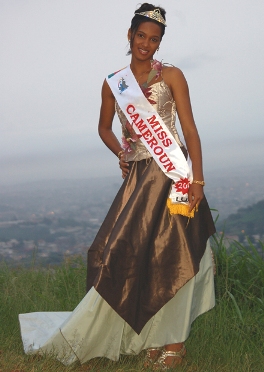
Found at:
(55, 54)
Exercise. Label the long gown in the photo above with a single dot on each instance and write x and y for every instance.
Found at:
(150, 274)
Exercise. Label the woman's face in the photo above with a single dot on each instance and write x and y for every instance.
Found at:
(146, 40)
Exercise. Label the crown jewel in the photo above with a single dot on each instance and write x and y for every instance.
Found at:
(153, 14)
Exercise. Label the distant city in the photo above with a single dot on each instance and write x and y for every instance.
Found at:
(48, 221)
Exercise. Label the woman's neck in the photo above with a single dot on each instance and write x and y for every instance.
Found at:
(140, 67)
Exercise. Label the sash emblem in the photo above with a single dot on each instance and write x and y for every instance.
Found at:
(122, 86)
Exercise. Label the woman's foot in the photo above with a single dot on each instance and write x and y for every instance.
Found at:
(170, 357)
(151, 356)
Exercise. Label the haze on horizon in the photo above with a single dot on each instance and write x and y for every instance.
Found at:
(55, 55)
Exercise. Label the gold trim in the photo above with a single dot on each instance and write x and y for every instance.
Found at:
(182, 209)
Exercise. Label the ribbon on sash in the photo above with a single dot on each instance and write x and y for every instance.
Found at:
(156, 137)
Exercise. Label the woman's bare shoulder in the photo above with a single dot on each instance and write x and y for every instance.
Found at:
(175, 79)
(106, 90)
(171, 72)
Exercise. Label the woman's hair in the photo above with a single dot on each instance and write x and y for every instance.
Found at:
(138, 19)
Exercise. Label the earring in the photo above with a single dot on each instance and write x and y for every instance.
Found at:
(157, 49)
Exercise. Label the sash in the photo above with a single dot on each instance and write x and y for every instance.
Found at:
(156, 137)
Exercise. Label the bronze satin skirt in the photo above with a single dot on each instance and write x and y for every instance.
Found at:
(142, 255)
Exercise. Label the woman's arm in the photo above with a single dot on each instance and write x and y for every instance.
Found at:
(107, 113)
(179, 88)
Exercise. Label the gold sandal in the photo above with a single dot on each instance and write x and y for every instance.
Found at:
(149, 360)
(160, 364)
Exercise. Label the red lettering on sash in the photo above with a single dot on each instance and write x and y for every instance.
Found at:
(141, 125)
(130, 109)
(158, 129)
(169, 166)
(162, 135)
(152, 122)
(166, 142)
(152, 142)
(134, 117)
(158, 150)
(162, 157)
(147, 134)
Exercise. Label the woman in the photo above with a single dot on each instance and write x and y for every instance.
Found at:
(108, 266)
(149, 269)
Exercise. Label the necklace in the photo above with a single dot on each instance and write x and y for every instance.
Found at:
(145, 72)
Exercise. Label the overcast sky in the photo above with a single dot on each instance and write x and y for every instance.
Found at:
(56, 53)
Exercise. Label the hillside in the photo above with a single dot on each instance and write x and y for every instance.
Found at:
(247, 221)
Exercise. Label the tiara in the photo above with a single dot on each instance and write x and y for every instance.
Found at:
(153, 14)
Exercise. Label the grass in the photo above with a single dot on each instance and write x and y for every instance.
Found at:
(228, 338)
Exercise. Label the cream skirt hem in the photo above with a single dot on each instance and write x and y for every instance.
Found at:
(94, 329)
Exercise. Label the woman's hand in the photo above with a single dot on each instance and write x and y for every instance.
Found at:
(123, 166)
(195, 195)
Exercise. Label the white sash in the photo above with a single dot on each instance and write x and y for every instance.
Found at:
(156, 137)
